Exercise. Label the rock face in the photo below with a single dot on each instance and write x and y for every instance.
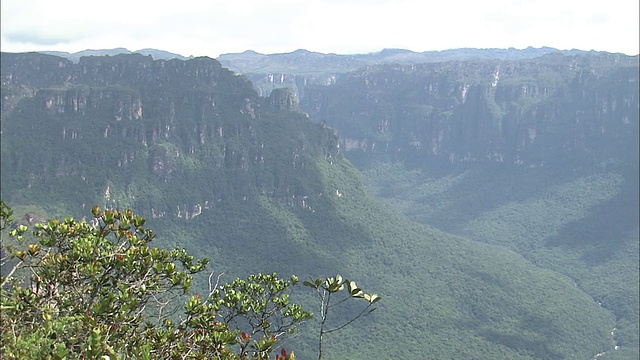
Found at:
(300, 68)
(462, 105)
(165, 120)
(131, 70)
(283, 99)
(520, 112)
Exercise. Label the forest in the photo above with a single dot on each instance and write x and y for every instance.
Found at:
(493, 221)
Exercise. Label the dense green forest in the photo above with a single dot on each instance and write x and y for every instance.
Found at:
(258, 186)
(539, 156)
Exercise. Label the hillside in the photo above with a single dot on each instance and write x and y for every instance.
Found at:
(539, 156)
(255, 185)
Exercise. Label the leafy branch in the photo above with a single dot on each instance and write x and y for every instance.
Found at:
(325, 288)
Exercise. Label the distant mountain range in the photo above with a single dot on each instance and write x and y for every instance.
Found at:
(301, 67)
(251, 61)
(156, 54)
(308, 62)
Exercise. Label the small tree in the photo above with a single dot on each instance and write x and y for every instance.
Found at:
(98, 290)
(260, 309)
(93, 290)
(335, 286)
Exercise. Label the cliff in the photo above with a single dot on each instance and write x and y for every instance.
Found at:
(520, 112)
(300, 68)
(173, 120)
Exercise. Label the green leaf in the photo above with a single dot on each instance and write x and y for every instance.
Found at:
(374, 298)
(310, 284)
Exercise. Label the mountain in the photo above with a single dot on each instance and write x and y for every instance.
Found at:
(528, 112)
(538, 155)
(301, 61)
(161, 54)
(156, 54)
(300, 68)
(256, 185)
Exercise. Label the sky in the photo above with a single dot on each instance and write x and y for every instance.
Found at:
(214, 27)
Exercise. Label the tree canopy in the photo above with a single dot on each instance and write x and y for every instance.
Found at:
(76, 289)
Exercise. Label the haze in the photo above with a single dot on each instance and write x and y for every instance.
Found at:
(213, 27)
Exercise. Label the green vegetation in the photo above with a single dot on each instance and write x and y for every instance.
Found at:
(537, 156)
(558, 220)
(98, 290)
(260, 189)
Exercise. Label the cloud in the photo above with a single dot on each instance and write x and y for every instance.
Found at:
(37, 38)
(211, 27)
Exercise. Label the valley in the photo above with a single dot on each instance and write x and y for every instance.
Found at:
(491, 200)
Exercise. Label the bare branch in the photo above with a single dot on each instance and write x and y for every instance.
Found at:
(212, 287)
(8, 277)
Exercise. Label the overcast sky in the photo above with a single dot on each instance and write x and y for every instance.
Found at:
(213, 27)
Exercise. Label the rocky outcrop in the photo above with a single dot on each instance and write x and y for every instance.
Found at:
(283, 99)
(98, 121)
(135, 70)
(518, 112)
(300, 68)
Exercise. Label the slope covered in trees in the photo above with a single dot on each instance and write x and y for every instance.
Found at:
(256, 186)
(539, 156)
